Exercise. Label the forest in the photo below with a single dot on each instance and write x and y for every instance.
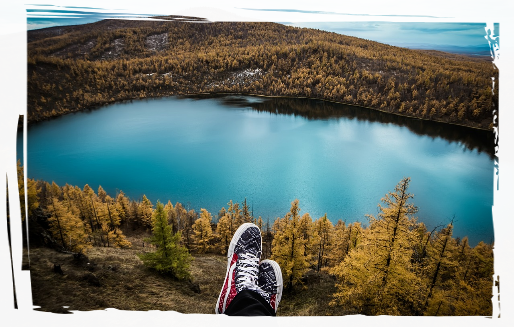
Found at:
(393, 265)
(74, 68)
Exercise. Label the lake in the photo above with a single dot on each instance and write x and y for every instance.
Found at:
(336, 159)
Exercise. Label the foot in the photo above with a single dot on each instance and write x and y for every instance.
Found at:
(270, 282)
(243, 255)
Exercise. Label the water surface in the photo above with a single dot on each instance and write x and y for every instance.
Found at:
(335, 159)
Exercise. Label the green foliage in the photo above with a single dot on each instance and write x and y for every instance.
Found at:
(170, 257)
(18, 195)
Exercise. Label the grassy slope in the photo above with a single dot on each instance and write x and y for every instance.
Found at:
(126, 284)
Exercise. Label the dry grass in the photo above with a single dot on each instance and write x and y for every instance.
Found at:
(116, 278)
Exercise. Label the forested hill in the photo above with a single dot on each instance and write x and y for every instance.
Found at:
(74, 68)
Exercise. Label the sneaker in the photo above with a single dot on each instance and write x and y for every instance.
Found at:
(270, 282)
(243, 256)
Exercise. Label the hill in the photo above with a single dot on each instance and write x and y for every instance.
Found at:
(80, 67)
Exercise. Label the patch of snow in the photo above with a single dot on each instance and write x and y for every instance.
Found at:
(157, 42)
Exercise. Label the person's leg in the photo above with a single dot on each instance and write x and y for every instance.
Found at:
(243, 257)
(270, 282)
(249, 288)
(249, 303)
(264, 301)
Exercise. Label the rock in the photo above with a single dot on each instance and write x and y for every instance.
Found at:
(58, 269)
(91, 279)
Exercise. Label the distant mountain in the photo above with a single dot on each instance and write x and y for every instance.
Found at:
(72, 68)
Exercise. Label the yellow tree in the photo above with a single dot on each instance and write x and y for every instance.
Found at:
(338, 248)
(114, 233)
(324, 229)
(288, 247)
(66, 226)
(223, 231)
(310, 237)
(172, 216)
(146, 211)
(202, 231)
(377, 276)
(18, 195)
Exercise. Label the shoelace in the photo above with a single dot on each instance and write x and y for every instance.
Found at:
(248, 270)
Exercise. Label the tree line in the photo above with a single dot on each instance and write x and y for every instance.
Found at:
(82, 67)
(395, 265)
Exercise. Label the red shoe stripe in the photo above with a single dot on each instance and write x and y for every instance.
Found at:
(228, 280)
(272, 301)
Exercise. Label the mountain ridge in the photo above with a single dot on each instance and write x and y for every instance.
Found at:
(209, 50)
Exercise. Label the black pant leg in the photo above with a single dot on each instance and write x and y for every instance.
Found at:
(249, 303)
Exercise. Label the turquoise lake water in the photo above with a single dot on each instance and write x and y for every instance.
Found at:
(335, 159)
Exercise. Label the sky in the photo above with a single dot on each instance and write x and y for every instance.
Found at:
(395, 22)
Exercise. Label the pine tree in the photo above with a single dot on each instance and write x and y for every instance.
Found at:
(288, 247)
(202, 231)
(18, 195)
(170, 257)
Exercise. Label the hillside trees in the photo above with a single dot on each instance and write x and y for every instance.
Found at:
(272, 59)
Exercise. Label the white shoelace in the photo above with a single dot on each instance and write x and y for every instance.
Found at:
(248, 271)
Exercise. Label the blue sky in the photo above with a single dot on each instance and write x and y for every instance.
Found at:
(396, 22)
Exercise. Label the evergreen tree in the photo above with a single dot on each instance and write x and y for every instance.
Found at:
(18, 195)
(170, 257)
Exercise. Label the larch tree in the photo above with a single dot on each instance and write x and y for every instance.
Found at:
(66, 226)
(170, 257)
(338, 248)
(310, 237)
(288, 247)
(223, 231)
(377, 276)
(146, 211)
(114, 233)
(324, 229)
(172, 216)
(18, 194)
(123, 207)
(202, 231)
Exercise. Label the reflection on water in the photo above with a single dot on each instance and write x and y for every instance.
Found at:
(472, 139)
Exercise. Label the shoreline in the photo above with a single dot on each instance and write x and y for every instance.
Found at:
(213, 94)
